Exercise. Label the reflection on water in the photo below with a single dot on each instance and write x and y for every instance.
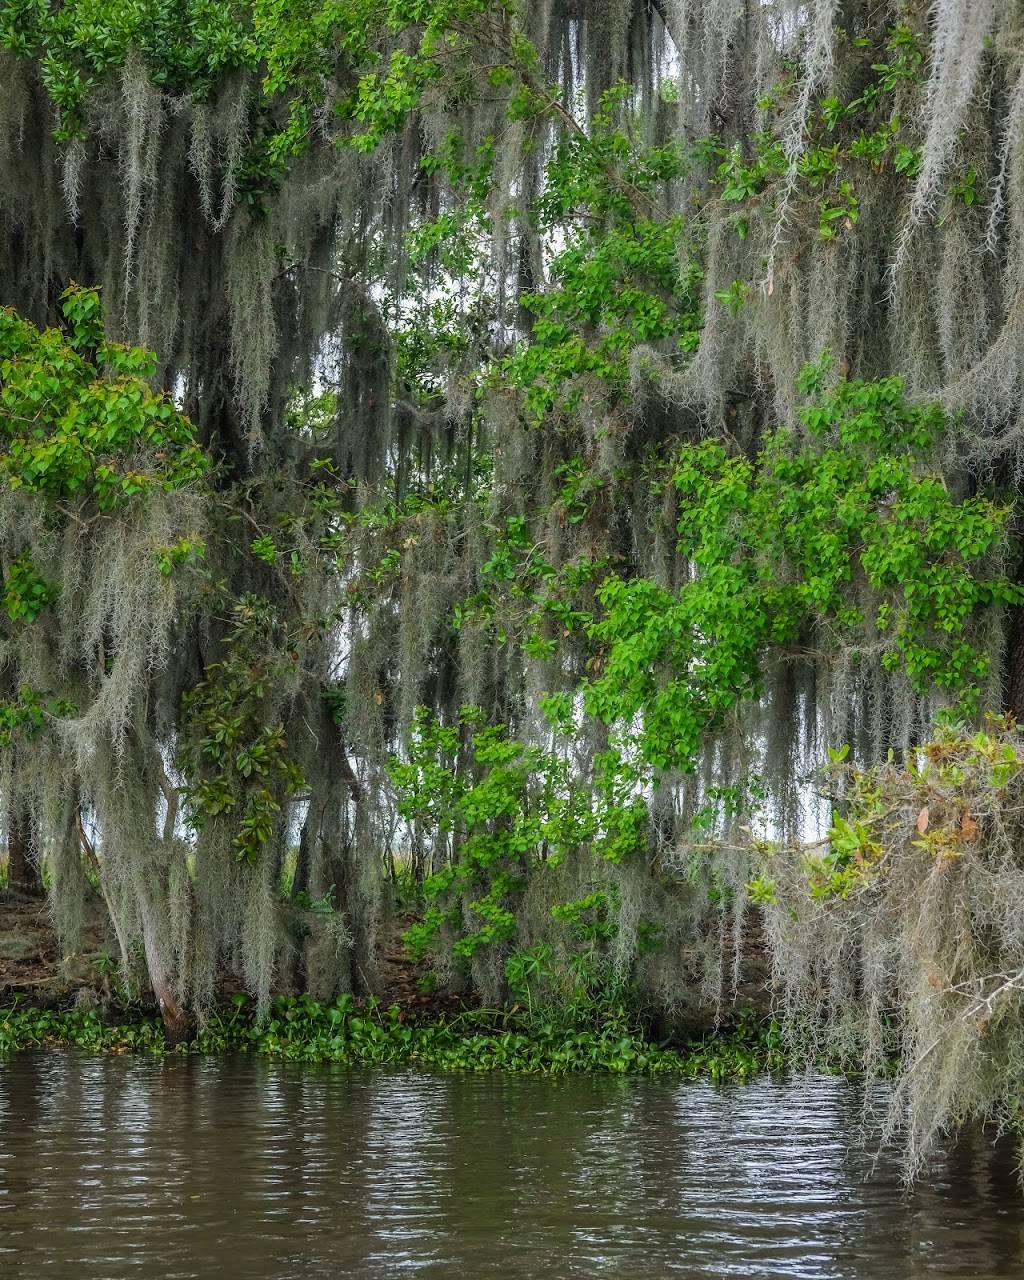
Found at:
(120, 1167)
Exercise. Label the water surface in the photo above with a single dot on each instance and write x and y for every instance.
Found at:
(231, 1167)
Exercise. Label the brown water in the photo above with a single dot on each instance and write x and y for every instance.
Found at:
(125, 1167)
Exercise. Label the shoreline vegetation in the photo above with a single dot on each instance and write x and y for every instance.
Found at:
(367, 1033)
(50, 1001)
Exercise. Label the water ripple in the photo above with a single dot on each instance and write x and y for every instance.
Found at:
(220, 1168)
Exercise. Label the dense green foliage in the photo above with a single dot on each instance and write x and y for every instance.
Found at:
(189, 46)
(81, 423)
(789, 541)
(370, 1035)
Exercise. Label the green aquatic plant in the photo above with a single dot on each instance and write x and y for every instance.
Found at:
(371, 1035)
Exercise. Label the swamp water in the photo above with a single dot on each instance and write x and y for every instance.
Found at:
(231, 1167)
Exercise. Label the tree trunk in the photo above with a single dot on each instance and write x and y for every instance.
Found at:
(22, 864)
(1014, 670)
(177, 1025)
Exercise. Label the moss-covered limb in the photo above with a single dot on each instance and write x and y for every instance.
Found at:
(899, 936)
(369, 1034)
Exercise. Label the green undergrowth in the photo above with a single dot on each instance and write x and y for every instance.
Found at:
(370, 1034)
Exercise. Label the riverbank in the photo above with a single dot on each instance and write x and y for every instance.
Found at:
(33, 971)
(369, 1034)
(52, 1001)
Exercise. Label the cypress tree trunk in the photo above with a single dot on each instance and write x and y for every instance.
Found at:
(177, 1024)
(1013, 672)
(22, 864)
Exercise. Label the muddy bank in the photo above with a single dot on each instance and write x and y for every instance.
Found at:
(32, 969)
(31, 963)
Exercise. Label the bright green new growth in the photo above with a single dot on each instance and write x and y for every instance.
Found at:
(81, 423)
(852, 539)
(513, 814)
